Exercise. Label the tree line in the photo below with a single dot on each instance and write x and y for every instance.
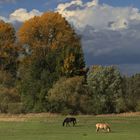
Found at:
(42, 69)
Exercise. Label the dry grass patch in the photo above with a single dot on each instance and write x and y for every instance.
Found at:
(25, 117)
(127, 114)
(51, 116)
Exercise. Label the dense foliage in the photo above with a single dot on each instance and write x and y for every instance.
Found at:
(9, 52)
(42, 69)
(105, 84)
(69, 95)
(54, 51)
(8, 49)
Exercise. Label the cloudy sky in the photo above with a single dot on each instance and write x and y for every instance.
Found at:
(110, 29)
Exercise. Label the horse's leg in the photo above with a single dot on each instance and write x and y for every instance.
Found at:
(73, 123)
(97, 129)
(66, 124)
(108, 129)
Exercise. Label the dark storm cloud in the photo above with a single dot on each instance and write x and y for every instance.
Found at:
(108, 47)
(111, 47)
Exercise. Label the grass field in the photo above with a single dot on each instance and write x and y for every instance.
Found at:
(49, 127)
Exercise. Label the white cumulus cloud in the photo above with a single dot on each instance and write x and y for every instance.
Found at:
(21, 15)
(98, 16)
(110, 35)
(4, 19)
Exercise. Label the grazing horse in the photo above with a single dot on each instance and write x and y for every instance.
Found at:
(103, 126)
(69, 120)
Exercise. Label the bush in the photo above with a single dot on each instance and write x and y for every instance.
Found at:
(121, 106)
(7, 96)
(68, 96)
(138, 106)
(15, 108)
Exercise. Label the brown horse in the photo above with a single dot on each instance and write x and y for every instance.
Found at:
(103, 126)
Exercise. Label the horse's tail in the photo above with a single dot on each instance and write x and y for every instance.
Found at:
(63, 123)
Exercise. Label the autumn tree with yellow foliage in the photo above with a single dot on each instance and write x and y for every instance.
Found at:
(9, 53)
(8, 48)
(52, 33)
(54, 50)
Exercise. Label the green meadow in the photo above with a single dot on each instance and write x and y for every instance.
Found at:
(47, 127)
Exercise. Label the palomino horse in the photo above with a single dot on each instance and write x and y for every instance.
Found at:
(69, 120)
(103, 126)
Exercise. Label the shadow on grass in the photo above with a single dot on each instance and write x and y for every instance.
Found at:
(112, 132)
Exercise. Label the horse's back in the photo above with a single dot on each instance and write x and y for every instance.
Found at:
(70, 119)
(102, 125)
(73, 119)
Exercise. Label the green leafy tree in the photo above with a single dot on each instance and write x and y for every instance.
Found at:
(106, 85)
(131, 89)
(36, 78)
